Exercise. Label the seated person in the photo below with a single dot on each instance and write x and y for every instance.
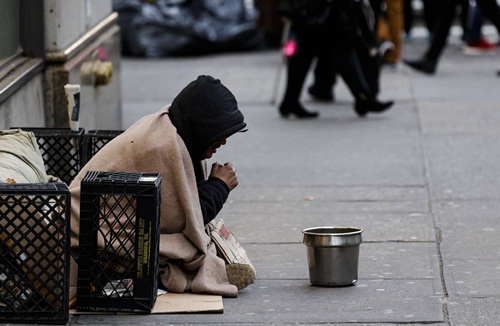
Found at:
(175, 142)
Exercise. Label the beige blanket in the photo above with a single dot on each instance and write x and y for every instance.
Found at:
(188, 259)
(20, 158)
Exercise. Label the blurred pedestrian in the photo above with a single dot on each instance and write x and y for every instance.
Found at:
(474, 39)
(447, 12)
(327, 29)
(389, 27)
(366, 44)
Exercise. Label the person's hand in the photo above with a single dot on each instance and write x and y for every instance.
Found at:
(226, 172)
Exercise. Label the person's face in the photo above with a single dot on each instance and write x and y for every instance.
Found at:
(212, 149)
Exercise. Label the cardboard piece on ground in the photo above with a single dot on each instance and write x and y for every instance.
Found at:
(175, 303)
(187, 302)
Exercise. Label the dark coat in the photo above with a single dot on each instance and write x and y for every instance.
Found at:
(204, 112)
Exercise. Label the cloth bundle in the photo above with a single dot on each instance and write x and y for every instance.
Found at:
(20, 158)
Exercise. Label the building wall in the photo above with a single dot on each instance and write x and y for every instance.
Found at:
(24, 108)
(80, 37)
(68, 20)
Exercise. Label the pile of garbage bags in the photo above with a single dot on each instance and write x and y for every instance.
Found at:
(161, 28)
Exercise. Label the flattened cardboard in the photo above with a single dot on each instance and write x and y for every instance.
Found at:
(170, 303)
(188, 303)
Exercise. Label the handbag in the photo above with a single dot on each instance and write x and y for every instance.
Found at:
(305, 12)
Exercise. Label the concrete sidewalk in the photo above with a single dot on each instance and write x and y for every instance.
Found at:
(422, 180)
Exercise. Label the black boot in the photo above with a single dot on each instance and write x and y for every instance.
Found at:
(423, 65)
(296, 109)
(363, 107)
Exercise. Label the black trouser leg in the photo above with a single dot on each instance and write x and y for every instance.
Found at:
(432, 14)
(408, 16)
(298, 67)
(324, 73)
(446, 15)
(349, 67)
(491, 10)
(370, 65)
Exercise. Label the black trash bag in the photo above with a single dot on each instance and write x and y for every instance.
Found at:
(187, 27)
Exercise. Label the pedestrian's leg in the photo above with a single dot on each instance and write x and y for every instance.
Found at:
(491, 10)
(408, 17)
(429, 62)
(324, 77)
(349, 67)
(474, 23)
(395, 20)
(431, 14)
(351, 71)
(370, 65)
(446, 13)
(298, 67)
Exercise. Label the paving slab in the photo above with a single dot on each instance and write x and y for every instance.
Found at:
(469, 229)
(457, 116)
(287, 227)
(326, 193)
(409, 261)
(305, 206)
(463, 166)
(244, 73)
(290, 301)
(477, 278)
(474, 311)
(470, 242)
(326, 151)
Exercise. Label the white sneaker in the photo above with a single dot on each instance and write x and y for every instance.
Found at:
(239, 268)
(240, 275)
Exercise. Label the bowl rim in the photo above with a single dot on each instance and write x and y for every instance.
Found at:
(354, 230)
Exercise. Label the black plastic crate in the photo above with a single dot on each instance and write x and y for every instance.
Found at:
(34, 253)
(94, 140)
(121, 212)
(61, 150)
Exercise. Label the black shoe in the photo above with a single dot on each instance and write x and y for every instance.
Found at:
(297, 110)
(363, 107)
(423, 65)
(320, 96)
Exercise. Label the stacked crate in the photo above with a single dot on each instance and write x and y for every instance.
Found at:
(119, 240)
(34, 255)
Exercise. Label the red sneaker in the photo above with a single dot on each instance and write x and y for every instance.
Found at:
(479, 47)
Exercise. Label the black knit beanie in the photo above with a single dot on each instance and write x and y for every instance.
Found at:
(205, 111)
